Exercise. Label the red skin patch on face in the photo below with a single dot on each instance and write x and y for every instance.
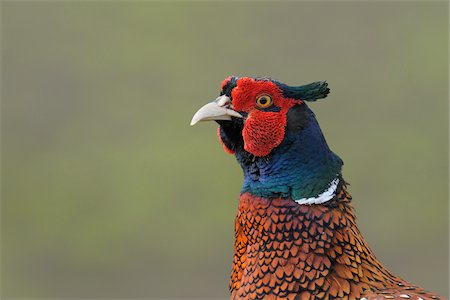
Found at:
(227, 150)
(263, 130)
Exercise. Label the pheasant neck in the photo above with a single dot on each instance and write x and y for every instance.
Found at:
(301, 167)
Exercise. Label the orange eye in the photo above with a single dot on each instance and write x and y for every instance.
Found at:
(264, 101)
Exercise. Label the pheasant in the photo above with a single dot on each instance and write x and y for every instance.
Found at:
(295, 231)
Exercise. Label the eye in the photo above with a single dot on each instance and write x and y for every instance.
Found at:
(264, 101)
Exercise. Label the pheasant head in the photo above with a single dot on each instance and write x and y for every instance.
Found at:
(275, 138)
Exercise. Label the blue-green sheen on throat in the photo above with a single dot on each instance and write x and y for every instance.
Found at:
(302, 166)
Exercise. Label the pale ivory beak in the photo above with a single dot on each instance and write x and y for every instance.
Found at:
(216, 110)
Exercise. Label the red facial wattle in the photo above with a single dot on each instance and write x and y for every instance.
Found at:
(264, 129)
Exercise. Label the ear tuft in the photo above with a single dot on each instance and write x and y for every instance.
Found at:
(309, 92)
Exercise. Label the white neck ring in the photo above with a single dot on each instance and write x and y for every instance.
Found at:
(327, 195)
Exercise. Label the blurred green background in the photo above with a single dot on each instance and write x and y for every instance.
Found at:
(107, 192)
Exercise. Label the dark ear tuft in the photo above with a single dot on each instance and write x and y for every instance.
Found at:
(308, 92)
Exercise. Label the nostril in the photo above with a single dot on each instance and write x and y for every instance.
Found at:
(223, 101)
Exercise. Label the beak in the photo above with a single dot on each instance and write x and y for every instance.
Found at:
(219, 109)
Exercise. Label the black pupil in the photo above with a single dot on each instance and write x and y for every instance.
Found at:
(263, 100)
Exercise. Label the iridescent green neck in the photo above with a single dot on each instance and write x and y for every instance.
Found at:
(302, 166)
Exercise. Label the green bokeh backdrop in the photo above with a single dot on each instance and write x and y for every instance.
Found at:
(108, 193)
